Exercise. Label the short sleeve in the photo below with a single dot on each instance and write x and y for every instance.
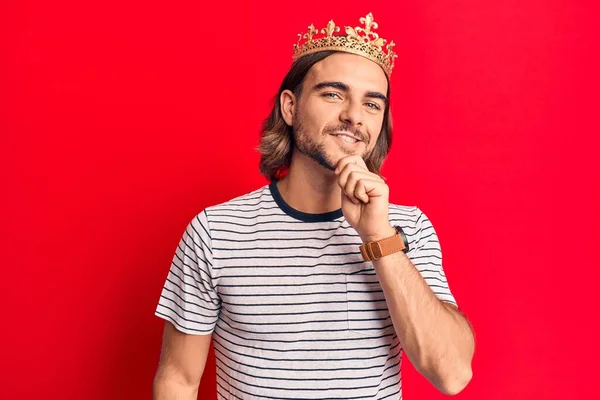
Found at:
(189, 299)
(426, 254)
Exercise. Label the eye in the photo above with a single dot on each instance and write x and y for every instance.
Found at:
(373, 106)
(332, 95)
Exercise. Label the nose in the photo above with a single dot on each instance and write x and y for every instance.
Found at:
(352, 113)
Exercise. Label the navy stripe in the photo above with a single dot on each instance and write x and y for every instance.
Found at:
(278, 248)
(279, 239)
(308, 312)
(298, 275)
(251, 208)
(206, 246)
(305, 330)
(278, 230)
(280, 257)
(248, 323)
(279, 266)
(301, 304)
(297, 294)
(255, 285)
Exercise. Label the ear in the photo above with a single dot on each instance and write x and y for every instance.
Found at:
(288, 105)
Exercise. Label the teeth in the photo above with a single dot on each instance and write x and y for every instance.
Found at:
(347, 139)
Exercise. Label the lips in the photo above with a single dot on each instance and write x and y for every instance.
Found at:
(349, 135)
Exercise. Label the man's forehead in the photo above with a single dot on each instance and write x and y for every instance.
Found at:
(355, 71)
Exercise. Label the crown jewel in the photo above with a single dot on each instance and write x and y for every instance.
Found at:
(358, 40)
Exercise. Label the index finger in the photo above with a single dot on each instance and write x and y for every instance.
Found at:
(353, 159)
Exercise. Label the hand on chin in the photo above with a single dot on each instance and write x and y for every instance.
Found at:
(365, 197)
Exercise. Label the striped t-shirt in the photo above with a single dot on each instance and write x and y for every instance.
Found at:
(294, 311)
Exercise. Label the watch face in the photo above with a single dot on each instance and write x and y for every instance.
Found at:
(404, 239)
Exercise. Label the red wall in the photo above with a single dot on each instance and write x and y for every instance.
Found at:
(120, 121)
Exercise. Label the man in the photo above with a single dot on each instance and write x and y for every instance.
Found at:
(311, 286)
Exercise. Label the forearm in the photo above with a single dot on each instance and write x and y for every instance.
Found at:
(170, 387)
(435, 336)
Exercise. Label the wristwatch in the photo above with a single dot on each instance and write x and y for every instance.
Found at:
(372, 251)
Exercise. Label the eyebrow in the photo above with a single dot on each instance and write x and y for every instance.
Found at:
(345, 88)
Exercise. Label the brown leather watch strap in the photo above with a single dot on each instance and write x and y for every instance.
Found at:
(375, 250)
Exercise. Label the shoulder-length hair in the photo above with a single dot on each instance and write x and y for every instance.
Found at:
(276, 142)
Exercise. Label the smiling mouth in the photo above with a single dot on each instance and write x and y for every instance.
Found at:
(347, 138)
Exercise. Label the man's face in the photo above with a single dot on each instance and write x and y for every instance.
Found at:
(342, 100)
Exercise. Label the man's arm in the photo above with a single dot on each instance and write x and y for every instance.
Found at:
(182, 362)
(436, 337)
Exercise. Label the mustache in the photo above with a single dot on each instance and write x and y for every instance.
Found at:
(328, 130)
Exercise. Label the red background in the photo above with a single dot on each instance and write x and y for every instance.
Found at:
(120, 121)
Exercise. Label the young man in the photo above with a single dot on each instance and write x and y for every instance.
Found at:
(311, 286)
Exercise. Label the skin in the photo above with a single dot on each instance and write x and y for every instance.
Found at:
(343, 94)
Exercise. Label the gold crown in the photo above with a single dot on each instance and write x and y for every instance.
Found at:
(361, 41)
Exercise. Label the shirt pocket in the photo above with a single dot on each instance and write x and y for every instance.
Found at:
(368, 314)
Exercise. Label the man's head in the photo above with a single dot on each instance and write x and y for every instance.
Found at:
(334, 100)
(324, 97)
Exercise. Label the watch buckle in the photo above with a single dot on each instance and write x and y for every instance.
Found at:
(374, 250)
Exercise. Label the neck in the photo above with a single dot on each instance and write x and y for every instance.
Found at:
(310, 187)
